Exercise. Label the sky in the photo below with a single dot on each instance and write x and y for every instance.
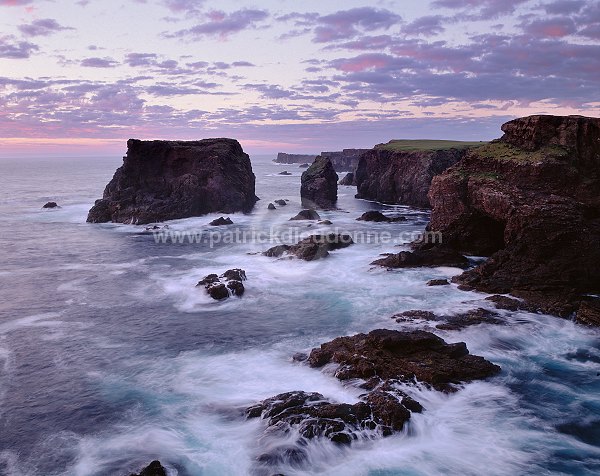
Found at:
(81, 77)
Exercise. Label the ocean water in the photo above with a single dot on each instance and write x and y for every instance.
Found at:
(110, 357)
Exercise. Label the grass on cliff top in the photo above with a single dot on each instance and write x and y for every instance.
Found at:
(418, 145)
(504, 151)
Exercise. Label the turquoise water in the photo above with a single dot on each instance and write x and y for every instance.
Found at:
(110, 357)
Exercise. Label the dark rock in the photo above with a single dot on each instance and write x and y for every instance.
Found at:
(51, 205)
(345, 160)
(217, 291)
(236, 288)
(531, 201)
(153, 469)
(325, 222)
(210, 279)
(470, 318)
(299, 357)
(437, 256)
(589, 313)
(511, 304)
(438, 282)
(319, 185)
(314, 247)
(304, 166)
(277, 251)
(166, 180)
(236, 274)
(415, 315)
(348, 179)
(376, 216)
(401, 176)
(307, 215)
(405, 356)
(271, 207)
(221, 221)
(281, 203)
(285, 172)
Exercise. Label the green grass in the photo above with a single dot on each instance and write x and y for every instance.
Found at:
(503, 151)
(418, 145)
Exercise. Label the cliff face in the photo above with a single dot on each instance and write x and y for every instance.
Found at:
(402, 176)
(531, 200)
(319, 185)
(166, 180)
(283, 158)
(345, 160)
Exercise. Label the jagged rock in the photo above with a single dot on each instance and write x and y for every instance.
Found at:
(589, 313)
(166, 180)
(221, 287)
(531, 201)
(312, 248)
(415, 315)
(271, 207)
(285, 172)
(348, 179)
(469, 318)
(511, 304)
(405, 356)
(307, 215)
(221, 221)
(438, 282)
(437, 256)
(319, 185)
(391, 173)
(51, 205)
(377, 216)
(153, 469)
(281, 203)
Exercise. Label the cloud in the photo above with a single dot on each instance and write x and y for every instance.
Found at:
(141, 59)
(222, 25)
(14, 3)
(557, 27)
(12, 48)
(42, 27)
(99, 63)
(427, 26)
(564, 7)
(481, 9)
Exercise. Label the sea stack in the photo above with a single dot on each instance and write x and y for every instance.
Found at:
(529, 201)
(165, 180)
(319, 185)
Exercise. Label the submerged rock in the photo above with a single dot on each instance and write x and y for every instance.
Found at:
(228, 284)
(319, 185)
(281, 202)
(307, 215)
(312, 248)
(438, 282)
(51, 205)
(452, 322)
(221, 221)
(285, 172)
(437, 256)
(377, 216)
(153, 469)
(166, 180)
(404, 356)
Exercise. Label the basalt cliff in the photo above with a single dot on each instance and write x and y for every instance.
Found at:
(400, 172)
(166, 180)
(531, 202)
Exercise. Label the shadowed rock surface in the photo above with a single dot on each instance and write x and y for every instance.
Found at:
(283, 158)
(50, 205)
(391, 173)
(228, 284)
(318, 187)
(438, 256)
(348, 179)
(307, 215)
(166, 180)
(345, 160)
(377, 216)
(221, 221)
(531, 200)
(312, 248)
(153, 469)
(405, 356)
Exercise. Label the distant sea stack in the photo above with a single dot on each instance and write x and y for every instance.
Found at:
(400, 172)
(345, 160)
(165, 180)
(319, 185)
(283, 158)
(531, 202)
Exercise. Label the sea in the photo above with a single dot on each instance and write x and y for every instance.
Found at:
(111, 357)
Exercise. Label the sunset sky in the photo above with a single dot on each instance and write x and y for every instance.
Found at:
(80, 78)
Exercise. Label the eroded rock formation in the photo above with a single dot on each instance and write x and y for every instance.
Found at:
(319, 185)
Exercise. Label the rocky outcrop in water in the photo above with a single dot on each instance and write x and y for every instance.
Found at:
(437, 256)
(221, 221)
(452, 322)
(228, 284)
(312, 248)
(309, 214)
(345, 160)
(153, 469)
(319, 185)
(348, 179)
(283, 158)
(50, 205)
(399, 176)
(378, 217)
(531, 200)
(165, 180)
